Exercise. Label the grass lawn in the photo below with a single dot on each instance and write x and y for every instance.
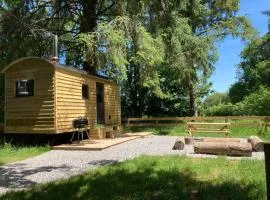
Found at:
(153, 177)
(244, 131)
(10, 153)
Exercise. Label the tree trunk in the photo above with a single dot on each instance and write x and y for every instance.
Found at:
(224, 148)
(179, 144)
(192, 101)
(189, 140)
(89, 15)
(256, 143)
(88, 24)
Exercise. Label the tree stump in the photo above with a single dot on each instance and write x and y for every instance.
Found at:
(256, 143)
(224, 148)
(189, 140)
(179, 144)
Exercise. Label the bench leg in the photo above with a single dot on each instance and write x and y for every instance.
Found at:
(190, 132)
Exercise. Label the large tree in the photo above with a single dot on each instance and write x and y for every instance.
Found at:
(190, 30)
(160, 51)
(253, 70)
(30, 24)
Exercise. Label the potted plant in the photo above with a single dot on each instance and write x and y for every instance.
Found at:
(115, 124)
(97, 132)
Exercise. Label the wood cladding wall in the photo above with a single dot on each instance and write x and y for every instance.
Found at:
(33, 114)
(70, 104)
(57, 99)
(112, 104)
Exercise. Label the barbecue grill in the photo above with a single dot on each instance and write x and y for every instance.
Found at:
(80, 123)
(80, 126)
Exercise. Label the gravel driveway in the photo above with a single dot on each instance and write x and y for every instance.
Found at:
(58, 164)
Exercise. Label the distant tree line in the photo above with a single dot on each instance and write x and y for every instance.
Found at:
(161, 52)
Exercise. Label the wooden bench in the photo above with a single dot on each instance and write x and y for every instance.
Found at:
(201, 127)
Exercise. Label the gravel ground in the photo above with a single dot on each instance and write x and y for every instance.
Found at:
(58, 164)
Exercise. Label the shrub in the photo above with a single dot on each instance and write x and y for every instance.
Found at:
(225, 110)
(258, 103)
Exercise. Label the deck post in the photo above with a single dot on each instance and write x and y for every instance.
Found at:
(267, 167)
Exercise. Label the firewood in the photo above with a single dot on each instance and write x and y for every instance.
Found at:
(223, 148)
(256, 143)
(179, 144)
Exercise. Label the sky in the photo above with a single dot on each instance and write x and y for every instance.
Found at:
(230, 49)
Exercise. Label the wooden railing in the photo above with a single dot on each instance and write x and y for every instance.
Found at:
(181, 121)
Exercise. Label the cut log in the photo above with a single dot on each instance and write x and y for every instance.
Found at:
(221, 140)
(189, 140)
(224, 148)
(179, 144)
(256, 143)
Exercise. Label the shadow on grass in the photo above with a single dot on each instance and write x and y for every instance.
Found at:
(147, 182)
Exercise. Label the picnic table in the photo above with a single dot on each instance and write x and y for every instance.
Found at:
(204, 127)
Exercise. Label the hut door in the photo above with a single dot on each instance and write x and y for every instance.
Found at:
(100, 102)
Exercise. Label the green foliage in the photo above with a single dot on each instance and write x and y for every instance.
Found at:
(254, 69)
(159, 177)
(21, 32)
(114, 38)
(237, 92)
(225, 110)
(216, 99)
(258, 103)
(10, 153)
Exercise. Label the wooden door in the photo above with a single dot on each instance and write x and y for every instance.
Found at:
(100, 103)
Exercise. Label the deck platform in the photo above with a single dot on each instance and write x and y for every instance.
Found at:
(90, 145)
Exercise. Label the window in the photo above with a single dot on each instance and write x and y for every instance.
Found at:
(85, 93)
(24, 88)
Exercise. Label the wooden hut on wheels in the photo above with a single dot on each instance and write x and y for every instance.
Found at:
(44, 97)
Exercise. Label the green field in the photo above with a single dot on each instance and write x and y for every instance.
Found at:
(240, 131)
(10, 153)
(153, 177)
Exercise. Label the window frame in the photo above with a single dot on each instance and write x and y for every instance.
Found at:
(84, 85)
(17, 94)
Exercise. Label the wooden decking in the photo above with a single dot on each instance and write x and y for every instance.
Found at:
(89, 145)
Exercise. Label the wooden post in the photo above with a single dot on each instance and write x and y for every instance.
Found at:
(189, 130)
(267, 167)
(266, 123)
(226, 119)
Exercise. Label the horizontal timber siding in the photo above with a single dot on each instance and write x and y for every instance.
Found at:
(69, 102)
(30, 114)
(70, 105)
(112, 104)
